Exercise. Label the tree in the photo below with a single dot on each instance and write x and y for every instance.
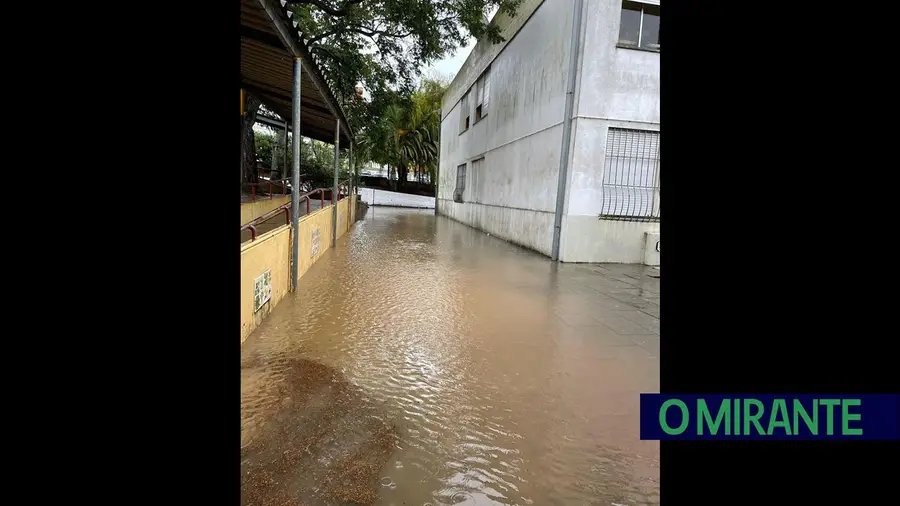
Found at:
(265, 143)
(406, 136)
(248, 138)
(383, 43)
(427, 104)
(380, 44)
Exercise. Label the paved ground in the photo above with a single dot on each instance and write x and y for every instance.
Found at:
(387, 198)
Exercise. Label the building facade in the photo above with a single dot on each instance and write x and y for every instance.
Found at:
(503, 123)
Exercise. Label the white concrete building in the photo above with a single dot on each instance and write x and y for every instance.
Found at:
(504, 123)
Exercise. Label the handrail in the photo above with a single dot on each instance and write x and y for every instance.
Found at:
(286, 207)
(270, 182)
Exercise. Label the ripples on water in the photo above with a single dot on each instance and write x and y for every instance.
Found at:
(492, 364)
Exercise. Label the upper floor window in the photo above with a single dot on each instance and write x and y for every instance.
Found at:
(639, 26)
(464, 113)
(482, 94)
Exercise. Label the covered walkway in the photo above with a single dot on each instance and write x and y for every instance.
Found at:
(270, 51)
(277, 68)
(427, 362)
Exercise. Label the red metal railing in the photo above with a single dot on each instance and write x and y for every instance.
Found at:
(343, 189)
(270, 184)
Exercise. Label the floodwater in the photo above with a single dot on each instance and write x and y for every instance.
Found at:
(426, 362)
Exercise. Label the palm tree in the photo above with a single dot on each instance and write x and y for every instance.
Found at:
(406, 134)
(411, 138)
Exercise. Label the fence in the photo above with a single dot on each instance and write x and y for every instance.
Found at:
(285, 207)
(273, 187)
(630, 184)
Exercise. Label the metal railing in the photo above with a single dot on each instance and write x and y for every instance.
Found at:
(270, 184)
(343, 189)
(630, 182)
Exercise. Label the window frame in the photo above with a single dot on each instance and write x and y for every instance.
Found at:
(460, 189)
(482, 107)
(464, 113)
(638, 46)
(476, 174)
(633, 155)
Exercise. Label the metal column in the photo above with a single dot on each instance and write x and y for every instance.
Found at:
(285, 172)
(437, 168)
(242, 145)
(295, 177)
(351, 171)
(337, 166)
(565, 155)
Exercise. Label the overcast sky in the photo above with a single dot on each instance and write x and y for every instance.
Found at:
(449, 66)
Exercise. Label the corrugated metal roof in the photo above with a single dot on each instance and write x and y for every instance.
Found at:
(267, 71)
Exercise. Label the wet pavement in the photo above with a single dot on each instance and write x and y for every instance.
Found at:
(438, 365)
(388, 198)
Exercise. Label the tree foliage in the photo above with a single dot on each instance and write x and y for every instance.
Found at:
(406, 136)
(265, 143)
(384, 43)
(316, 164)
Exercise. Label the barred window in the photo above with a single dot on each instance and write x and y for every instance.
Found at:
(460, 183)
(630, 183)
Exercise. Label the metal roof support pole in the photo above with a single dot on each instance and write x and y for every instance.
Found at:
(242, 145)
(565, 153)
(337, 165)
(285, 173)
(350, 165)
(295, 177)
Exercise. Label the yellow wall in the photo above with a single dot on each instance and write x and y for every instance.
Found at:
(321, 221)
(353, 210)
(253, 210)
(270, 251)
(346, 215)
(343, 219)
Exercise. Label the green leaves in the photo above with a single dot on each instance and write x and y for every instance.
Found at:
(264, 145)
(406, 132)
(383, 44)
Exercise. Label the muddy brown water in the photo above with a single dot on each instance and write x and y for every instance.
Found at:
(425, 362)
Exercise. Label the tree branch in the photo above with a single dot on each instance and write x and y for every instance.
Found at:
(342, 11)
(371, 34)
(323, 35)
(368, 32)
(323, 49)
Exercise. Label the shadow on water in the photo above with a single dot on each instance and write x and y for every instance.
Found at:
(324, 444)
